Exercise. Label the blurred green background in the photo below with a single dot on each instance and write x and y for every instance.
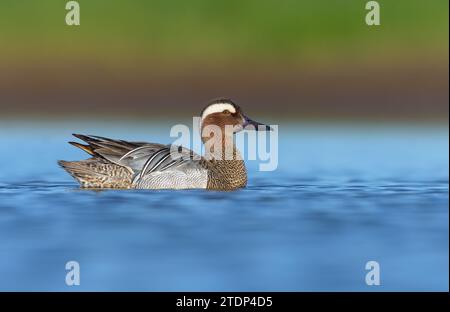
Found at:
(300, 60)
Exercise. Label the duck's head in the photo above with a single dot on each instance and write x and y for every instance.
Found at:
(224, 112)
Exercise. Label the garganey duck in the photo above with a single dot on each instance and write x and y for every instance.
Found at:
(141, 165)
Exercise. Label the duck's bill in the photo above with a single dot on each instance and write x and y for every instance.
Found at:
(255, 125)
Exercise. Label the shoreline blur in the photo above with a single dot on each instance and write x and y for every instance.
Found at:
(416, 93)
(292, 60)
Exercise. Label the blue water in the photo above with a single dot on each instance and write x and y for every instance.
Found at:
(342, 195)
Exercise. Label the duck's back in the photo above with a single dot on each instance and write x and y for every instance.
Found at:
(122, 164)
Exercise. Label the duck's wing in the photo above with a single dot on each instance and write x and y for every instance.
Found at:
(145, 161)
(141, 158)
(109, 149)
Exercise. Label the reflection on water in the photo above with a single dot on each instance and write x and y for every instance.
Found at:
(341, 196)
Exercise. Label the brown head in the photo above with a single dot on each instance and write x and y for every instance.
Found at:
(219, 121)
(227, 168)
(228, 116)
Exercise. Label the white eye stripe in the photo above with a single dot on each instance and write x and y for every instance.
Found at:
(218, 108)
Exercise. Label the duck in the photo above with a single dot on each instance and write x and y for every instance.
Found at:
(120, 164)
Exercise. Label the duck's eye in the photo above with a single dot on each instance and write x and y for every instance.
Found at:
(226, 112)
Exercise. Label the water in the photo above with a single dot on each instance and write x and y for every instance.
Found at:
(341, 196)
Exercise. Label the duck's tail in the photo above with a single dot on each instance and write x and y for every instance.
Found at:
(96, 173)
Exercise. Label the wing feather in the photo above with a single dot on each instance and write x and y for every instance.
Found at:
(141, 158)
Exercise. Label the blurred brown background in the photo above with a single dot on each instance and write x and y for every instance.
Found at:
(298, 60)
